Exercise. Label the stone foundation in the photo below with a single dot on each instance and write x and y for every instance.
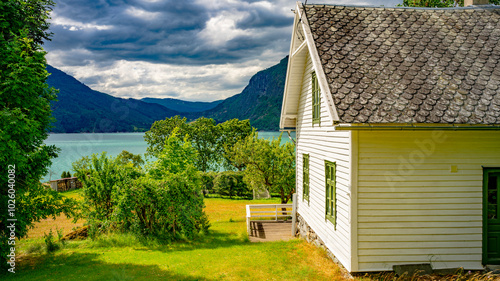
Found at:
(305, 232)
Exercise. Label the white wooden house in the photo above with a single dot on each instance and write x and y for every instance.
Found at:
(397, 118)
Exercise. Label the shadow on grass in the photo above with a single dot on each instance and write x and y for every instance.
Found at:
(87, 266)
(212, 240)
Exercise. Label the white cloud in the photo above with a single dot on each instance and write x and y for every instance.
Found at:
(142, 14)
(222, 28)
(73, 25)
(138, 79)
(194, 50)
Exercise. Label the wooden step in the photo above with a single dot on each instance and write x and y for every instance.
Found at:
(262, 231)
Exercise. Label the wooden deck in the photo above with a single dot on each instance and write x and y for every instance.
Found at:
(264, 231)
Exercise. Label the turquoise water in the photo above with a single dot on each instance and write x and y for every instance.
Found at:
(75, 146)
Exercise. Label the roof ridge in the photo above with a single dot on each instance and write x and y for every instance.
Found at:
(481, 7)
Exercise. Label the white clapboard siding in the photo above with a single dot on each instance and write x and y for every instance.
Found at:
(411, 207)
(322, 143)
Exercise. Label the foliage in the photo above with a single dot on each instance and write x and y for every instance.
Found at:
(168, 202)
(171, 208)
(207, 182)
(50, 244)
(161, 130)
(269, 165)
(204, 134)
(233, 131)
(231, 183)
(25, 116)
(439, 3)
(102, 178)
(206, 137)
(65, 174)
(176, 157)
(126, 157)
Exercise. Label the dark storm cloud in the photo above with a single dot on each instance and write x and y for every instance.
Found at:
(160, 32)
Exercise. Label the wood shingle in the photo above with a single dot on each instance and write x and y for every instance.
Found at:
(410, 65)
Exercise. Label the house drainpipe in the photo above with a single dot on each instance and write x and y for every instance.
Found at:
(290, 137)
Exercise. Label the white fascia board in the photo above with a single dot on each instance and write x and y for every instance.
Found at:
(292, 54)
(320, 73)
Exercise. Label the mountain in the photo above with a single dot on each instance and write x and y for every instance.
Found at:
(260, 101)
(81, 109)
(183, 106)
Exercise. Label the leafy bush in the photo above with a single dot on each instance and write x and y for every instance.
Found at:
(231, 183)
(208, 139)
(166, 203)
(207, 182)
(171, 208)
(102, 178)
(269, 165)
(50, 243)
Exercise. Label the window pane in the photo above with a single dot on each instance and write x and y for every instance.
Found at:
(492, 197)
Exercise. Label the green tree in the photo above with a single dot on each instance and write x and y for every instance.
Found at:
(161, 130)
(232, 131)
(177, 157)
(102, 178)
(231, 183)
(167, 202)
(25, 116)
(206, 137)
(127, 157)
(269, 165)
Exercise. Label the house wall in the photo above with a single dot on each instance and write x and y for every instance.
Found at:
(411, 207)
(323, 143)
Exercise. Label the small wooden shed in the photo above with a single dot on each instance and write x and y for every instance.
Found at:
(65, 184)
(397, 118)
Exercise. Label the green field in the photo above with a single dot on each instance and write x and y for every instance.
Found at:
(222, 254)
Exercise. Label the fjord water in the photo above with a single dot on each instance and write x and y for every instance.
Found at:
(75, 146)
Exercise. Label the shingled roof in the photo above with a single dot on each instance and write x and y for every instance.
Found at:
(410, 65)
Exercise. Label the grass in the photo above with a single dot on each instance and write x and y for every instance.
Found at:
(222, 254)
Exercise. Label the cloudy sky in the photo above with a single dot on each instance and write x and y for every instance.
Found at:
(196, 50)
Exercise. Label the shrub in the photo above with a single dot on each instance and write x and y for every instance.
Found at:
(50, 243)
(171, 208)
(231, 183)
(168, 202)
(102, 178)
(269, 164)
(207, 182)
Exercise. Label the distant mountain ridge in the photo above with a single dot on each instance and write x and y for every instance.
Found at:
(183, 106)
(80, 109)
(260, 101)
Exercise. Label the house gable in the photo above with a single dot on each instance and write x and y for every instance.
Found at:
(301, 47)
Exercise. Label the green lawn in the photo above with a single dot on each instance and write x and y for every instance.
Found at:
(223, 254)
